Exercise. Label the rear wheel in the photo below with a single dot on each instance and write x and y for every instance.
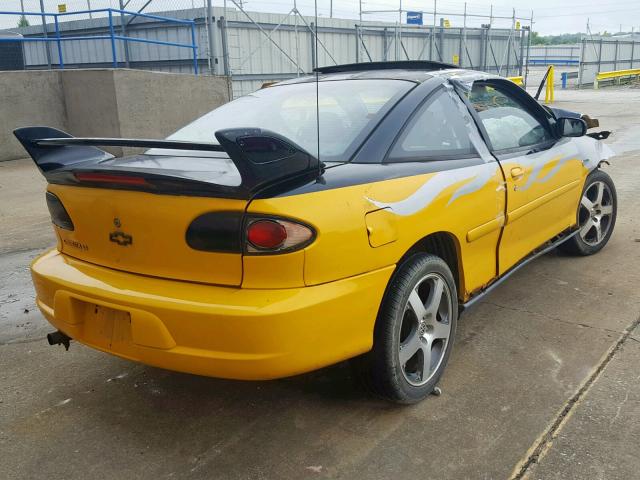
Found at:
(596, 216)
(414, 331)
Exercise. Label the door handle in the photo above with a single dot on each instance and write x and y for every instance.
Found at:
(517, 173)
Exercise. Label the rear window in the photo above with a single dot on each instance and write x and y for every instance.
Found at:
(348, 110)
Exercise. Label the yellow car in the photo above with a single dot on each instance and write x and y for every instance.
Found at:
(352, 213)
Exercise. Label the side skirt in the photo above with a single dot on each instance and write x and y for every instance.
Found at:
(532, 256)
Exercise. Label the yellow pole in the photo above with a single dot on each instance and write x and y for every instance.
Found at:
(549, 92)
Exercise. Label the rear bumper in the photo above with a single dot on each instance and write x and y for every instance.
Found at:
(209, 330)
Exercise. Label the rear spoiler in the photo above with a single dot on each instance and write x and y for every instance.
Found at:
(262, 157)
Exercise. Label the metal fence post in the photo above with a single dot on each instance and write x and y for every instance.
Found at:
(195, 48)
(581, 65)
(431, 32)
(433, 29)
(385, 44)
(460, 47)
(463, 37)
(483, 47)
(222, 23)
(313, 46)
(357, 45)
(60, 60)
(633, 45)
(520, 67)
(113, 40)
(615, 57)
(400, 47)
(487, 47)
(44, 33)
(123, 31)
(211, 39)
(600, 56)
(526, 68)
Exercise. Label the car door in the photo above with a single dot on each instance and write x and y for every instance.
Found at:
(461, 191)
(543, 174)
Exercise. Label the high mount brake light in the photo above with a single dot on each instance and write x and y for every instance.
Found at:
(275, 235)
(110, 178)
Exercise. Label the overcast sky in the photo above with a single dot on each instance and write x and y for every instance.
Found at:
(550, 16)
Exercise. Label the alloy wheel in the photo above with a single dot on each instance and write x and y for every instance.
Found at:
(425, 330)
(596, 210)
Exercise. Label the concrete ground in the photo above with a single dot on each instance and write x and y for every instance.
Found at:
(542, 382)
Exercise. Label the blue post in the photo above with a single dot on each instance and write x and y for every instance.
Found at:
(113, 40)
(564, 76)
(60, 61)
(195, 48)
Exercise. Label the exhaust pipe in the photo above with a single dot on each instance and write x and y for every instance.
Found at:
(59, 338)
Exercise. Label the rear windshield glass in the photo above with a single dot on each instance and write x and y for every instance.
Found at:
(348, 110)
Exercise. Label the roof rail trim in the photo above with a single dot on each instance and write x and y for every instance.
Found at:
(425, 65)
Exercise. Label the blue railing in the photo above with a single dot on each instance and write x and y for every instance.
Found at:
(113, 37)
(541, 60)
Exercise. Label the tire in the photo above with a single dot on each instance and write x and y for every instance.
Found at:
(412, 323)
(596, 216)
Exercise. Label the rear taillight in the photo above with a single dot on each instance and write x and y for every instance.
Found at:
(59, 215)
(216, 232)
(266, 234)
(233, 232)
(275, 235)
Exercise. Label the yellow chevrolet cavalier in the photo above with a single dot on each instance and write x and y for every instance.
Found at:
(349, 214)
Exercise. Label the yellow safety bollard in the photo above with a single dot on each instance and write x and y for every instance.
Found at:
(549, 93)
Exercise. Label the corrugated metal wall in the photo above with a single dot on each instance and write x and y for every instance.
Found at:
(253, 59)
(261, 47)
(606, 54)
(555, 55)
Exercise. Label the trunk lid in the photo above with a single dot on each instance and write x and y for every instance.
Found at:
(135, 213)
(144, 233)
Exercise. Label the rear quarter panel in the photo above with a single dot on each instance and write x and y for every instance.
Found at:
(461, 202)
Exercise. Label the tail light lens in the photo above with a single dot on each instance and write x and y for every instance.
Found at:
(59, 215)
(266, 234)
(276, 235)
(232, 232)
(216, 232)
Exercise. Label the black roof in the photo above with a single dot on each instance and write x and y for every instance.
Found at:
(422, 65)
(412, 70)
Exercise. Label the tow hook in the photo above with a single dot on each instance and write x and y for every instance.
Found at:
(58, 338)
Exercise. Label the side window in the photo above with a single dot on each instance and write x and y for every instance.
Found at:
(508, 124)
(437, 131)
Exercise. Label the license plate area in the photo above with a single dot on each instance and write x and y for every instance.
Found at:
(107, 327)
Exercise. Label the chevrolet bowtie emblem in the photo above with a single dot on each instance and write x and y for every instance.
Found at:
(121, 238)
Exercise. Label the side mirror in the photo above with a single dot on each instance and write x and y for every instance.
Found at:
(571, 127)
